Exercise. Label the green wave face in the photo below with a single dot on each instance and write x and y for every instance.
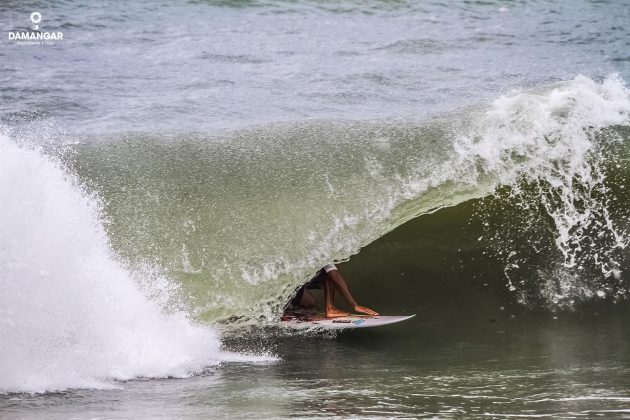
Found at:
(241, 219)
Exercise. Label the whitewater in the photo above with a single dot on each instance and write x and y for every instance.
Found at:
(71, 316)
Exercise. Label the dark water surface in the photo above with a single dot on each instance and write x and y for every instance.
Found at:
(572, 365)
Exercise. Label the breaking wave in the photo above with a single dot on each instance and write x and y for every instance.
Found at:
(240, 219)
(526, 196)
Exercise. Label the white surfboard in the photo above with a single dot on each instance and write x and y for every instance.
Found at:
(304, 320)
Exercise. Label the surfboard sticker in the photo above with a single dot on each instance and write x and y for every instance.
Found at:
(304, 320)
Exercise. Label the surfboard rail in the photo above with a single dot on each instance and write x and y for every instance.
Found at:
(305, 320)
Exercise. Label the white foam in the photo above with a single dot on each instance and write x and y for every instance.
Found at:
(547, 138)
(70, 316)
(527, 131)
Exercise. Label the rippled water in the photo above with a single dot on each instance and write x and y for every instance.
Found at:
(573, 366)
(145, 65)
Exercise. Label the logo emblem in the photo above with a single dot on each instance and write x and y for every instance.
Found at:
(36, 17)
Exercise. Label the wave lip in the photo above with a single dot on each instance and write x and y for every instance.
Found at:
(552, 150)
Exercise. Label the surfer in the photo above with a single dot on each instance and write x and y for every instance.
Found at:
(330, 277)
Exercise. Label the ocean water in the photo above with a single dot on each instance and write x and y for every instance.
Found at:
(170, 174)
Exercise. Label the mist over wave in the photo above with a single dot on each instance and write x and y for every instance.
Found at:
(70, 315)
(243, 218)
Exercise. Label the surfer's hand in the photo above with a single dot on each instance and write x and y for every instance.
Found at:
(364, 310)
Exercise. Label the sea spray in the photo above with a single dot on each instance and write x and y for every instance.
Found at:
(556, 235)
(70, 316)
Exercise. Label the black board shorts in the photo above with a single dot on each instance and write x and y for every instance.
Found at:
(314, 283)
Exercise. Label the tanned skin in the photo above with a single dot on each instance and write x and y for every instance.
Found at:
(333, 280)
